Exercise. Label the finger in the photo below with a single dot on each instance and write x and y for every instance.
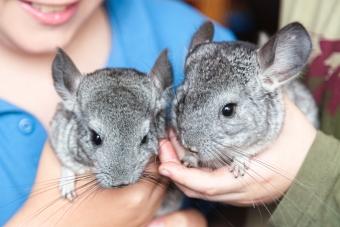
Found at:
(186, 218)
(167, 152)
(179, 149)
(191, 193)
(206, 182)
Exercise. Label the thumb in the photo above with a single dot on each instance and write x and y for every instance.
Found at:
(167, 152)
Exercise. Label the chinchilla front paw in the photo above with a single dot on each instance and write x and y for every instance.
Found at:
(239, 166)
(67, 184)
(190, 160)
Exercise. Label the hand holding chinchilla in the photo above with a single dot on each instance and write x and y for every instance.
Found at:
(108, 122)
(235, 103)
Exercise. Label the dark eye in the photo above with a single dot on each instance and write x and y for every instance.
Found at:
(144, 140)
(229, 109)
(95, 138)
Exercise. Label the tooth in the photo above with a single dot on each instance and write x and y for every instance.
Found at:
(48, 8)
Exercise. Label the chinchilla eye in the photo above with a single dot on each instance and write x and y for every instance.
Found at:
(229, 109)
(145, 139)
(95, 138)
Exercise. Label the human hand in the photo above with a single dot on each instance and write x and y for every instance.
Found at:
(134, 205)
(269, 175)
(184, 218)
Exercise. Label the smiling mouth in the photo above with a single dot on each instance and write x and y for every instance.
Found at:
(50, 14)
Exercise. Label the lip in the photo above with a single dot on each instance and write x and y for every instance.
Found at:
(51, 18)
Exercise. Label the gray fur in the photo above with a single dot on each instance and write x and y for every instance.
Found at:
(218, 73)
(122, 106)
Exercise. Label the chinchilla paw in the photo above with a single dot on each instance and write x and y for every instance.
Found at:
(67, 184)
(68, 190)
(190, 161)
(239, 167)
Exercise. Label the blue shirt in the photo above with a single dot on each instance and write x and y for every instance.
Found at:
(141, 29)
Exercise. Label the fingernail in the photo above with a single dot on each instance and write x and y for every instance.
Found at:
(157, 223)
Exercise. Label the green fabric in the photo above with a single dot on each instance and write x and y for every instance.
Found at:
(314, 198)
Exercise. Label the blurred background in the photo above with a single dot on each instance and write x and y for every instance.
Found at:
(244, 17)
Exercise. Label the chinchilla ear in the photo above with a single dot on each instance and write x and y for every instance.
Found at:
(66, 77)
(205, 33)
(284, 55)
(161, 73)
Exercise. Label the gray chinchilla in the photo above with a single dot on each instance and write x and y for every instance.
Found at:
(230, 105)
(109, 121)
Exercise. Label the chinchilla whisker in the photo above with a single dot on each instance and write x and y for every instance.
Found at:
(42, 183)
(299, 183)
(70, 205)
(159, 180)
(57, 185)
(260, 203)
(149, 180)
(152, 178)
(40, 210)
(276, 201)
(53, 202)
(282, 194)
(222, 159)
(217, 161)
(50, 204)
(41, 188)
(315, 196)
(265, 164)
(87, 194)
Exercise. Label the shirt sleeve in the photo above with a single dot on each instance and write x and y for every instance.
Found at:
(22, 138)
(313, 199)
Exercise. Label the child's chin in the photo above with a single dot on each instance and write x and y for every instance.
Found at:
(39, 45)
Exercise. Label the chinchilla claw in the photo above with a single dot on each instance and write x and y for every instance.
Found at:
(67, 184)
(68, 191)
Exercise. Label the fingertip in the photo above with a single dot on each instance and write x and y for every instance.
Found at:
(167, 152)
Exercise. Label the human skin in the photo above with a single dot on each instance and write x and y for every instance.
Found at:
(27, 48)
(263, 183)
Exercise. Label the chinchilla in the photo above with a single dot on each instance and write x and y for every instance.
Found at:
(230, 105)
(109, 121)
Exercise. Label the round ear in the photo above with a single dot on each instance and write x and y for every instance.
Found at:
(205, 33)
(66, 77)
(284, 56)
(161, 73)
